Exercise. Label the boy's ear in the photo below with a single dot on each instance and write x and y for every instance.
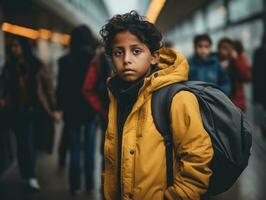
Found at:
(155, 57)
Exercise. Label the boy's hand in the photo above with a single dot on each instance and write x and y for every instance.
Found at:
(233, 54)
(2, 103)
(57, 116)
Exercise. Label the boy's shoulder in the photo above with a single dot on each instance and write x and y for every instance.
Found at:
(214, 56)
(184, 98)
(65, 58)
(213, 60)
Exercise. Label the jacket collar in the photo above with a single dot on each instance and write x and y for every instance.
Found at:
(125, 91)
(172, 67)
(210, 60)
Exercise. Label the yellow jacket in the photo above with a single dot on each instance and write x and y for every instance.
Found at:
(143, 161)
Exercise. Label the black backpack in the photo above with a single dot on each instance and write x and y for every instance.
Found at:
(228, 129)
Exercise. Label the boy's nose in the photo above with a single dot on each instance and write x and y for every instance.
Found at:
(127, 59)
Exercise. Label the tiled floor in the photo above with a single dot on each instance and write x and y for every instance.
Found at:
(251, 184)
(52, 180)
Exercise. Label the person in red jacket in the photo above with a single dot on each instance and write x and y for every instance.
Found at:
(95, 90)
(234, 59)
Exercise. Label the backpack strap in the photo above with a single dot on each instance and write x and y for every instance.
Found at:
(161, 105)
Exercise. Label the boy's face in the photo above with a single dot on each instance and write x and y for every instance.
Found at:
(16, 48)
(203, 49)
(224, 50)
(131, 57)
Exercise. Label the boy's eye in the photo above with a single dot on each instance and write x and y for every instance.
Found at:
(136, 51)
(118, 52)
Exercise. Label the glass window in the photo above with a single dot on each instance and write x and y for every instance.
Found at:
(181, 30)
(249, 33)
(239, 9)
(184, 46)
(216, 15)
(199, 22)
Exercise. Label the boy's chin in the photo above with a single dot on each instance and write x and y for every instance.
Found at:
(130, 79)
(203, 56)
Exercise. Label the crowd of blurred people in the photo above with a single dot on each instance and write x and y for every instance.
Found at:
(31, 103)
(81, 95)
(229, 68)
(27, 95)
(80, 100)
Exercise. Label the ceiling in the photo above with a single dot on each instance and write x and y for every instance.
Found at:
(120, 6)
(33, 14)
(175, 11)
(52, 14)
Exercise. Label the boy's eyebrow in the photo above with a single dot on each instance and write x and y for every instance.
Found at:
(135, 45)
(132, 45)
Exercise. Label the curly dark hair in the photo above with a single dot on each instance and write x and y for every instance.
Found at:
(82, 36)
(202, 37)
(135, 24)
(225, 40)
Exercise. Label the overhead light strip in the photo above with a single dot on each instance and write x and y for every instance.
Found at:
(36, 34)
(154, 10)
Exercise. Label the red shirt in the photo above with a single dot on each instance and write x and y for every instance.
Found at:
(243, 74)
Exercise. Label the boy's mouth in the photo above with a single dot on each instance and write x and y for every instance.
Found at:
(128, 71)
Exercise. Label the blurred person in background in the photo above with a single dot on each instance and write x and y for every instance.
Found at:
(205, 66)
(234, 60)
(95, 88)
(168, 44)
(26, 92)
(78, 115)
(259, 82)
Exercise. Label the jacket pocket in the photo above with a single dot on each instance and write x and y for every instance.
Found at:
(109, 148)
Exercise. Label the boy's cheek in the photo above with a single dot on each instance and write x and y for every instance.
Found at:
(199, 51)
(117, 68)
(116, 65)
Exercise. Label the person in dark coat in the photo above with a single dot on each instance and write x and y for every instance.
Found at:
(78, 115)
(205, 66)
(259, 71)
(259, 82)
(26, 92)
(95, 90)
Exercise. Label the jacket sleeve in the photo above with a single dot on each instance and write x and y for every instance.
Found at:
(46, 90)
(193, 149)
(3, 77)
(88, 90)
(60, 90)
(258, 72)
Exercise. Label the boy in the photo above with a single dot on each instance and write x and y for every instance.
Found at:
(204, 66)
(135, 163)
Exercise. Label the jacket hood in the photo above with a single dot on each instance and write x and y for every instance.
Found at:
(173, 67)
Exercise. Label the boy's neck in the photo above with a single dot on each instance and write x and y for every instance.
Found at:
(202, 58)
(152, 69)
